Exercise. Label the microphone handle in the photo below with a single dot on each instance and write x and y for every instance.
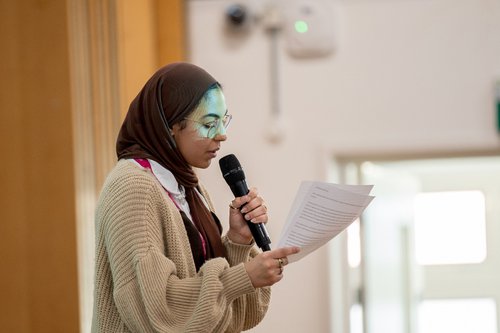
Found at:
(258, 230)
(259, 233)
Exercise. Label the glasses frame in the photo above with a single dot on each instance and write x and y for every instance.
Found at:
(224, 121)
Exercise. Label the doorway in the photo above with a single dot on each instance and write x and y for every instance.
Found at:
(425, 257)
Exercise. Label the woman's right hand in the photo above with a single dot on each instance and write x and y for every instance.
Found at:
(266, 268)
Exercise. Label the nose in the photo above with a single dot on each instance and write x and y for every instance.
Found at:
(220, 137)
(221, 133)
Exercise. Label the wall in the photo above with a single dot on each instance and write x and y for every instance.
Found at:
(38, 283)
(66, 66)
(114, 47)
(408, 77)
(150, 34)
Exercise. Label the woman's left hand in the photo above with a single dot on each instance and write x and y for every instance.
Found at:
(250, 207)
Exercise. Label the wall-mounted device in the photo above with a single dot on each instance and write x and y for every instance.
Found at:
(310, 28)
(307, 28)
(237, 15)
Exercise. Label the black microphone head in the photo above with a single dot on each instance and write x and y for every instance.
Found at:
(231, 169)
(235, 178)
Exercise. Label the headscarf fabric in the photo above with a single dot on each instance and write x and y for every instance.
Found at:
(173, 92)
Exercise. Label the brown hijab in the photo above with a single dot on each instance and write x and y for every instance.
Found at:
(177, 89)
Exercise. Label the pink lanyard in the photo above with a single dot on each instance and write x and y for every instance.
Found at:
(145, 164)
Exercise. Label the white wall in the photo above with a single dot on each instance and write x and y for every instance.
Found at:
(408, 76)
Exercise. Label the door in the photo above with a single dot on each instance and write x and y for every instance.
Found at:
(430, 246)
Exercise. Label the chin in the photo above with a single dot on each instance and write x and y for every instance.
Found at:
(203, 164)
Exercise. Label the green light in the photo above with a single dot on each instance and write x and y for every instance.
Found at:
(301, 27)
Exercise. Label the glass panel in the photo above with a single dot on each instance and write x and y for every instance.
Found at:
(457, 316)
(354, 244)
(450, 227)
(356, 318)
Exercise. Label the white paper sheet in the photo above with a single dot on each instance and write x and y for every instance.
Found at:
(320, 212)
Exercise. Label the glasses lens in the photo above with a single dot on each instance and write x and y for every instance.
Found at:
(215, 125)
(212, 131)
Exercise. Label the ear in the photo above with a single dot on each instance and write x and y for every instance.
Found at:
(175, 129)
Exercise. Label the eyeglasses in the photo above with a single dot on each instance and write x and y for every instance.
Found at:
(210, 129)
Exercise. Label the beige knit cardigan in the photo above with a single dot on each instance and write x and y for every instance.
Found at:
(146, 280)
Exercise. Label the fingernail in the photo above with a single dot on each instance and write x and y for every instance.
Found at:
(243, 210)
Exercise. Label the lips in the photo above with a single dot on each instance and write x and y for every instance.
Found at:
(213, 153)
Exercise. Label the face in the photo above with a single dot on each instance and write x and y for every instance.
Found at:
(192, 140)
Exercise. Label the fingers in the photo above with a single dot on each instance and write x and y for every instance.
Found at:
(280, 256)
(284, 252)
(282, 259)
(246, 199)
(281, 265)
(252, 206)
(267, 268)
(256, 215)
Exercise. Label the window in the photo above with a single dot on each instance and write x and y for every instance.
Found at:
(450, 227)
(457, 316)
(429, 244)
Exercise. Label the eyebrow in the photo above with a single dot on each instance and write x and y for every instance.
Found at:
(215, 115)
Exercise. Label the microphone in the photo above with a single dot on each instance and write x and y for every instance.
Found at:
(235, 178)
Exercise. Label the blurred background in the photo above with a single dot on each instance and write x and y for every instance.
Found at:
(401, 94)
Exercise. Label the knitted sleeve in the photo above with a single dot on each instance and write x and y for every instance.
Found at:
(256, 302)
(155, 285)
(157, 300)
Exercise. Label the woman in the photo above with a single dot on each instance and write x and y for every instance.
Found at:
(161, 263)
